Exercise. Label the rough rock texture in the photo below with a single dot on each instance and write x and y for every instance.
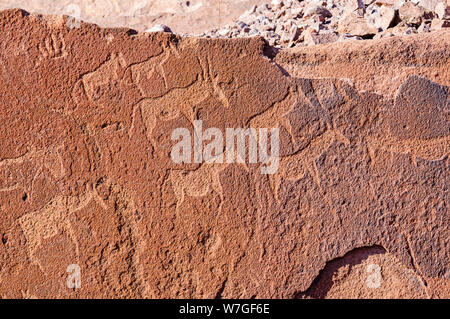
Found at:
(380, 66)
(344, 277)
(86, 176)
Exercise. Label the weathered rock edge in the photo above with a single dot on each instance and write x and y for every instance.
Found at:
(86, 177)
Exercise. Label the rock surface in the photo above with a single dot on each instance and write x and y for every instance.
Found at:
(359, 206)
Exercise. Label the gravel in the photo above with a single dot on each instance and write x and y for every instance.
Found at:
(293, 23)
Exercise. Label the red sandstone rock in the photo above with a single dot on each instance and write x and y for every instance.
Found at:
(443, 10)
(86, 176)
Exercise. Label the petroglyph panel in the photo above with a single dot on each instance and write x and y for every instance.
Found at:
(87, 178)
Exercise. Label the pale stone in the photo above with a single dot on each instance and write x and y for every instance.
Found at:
(438, 24)
(442, 10)
(430, 5)
(356, 25)
(411, 13)
(312, 38)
